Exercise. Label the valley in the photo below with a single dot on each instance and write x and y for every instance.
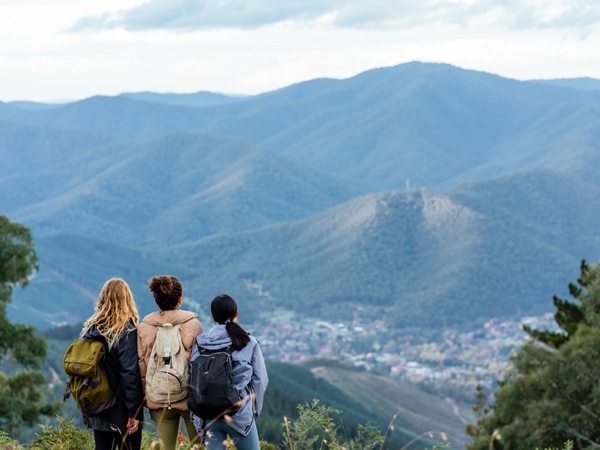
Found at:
(403, 223)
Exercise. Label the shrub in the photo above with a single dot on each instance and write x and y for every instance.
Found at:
(315, 424)
(6, 443)
(66, 436)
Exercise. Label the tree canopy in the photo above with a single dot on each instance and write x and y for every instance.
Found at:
(551, 393)
(21, 396)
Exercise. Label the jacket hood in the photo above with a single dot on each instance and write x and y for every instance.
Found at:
(174, 317)
(216, 338)
(93, 333)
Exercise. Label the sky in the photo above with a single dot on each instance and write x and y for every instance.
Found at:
(66, 50)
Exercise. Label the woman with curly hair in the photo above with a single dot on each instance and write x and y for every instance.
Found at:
(114, 323)
(168, 295)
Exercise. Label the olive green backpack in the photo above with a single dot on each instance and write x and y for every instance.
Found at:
(87, 382)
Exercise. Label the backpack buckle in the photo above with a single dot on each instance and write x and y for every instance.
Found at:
(167, 355)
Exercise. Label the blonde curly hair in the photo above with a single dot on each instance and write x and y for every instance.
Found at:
(114, 312)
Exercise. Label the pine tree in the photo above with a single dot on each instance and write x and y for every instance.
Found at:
(568, 314)
(551, 394)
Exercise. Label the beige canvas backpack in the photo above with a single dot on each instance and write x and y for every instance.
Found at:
(167, 374)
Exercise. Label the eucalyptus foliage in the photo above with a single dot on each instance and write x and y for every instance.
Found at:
(21, 395)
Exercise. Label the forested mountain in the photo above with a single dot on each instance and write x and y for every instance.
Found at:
(547, 206)
(179, 188)
(197, 99)
(418, 258)
(585, 83)
(431, 194)
(432, 124)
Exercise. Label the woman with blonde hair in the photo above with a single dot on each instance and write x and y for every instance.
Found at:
(114, 323)
(168, 295)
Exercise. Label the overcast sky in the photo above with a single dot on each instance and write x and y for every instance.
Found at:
(71, 49)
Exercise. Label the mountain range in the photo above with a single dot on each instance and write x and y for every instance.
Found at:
(425, 194)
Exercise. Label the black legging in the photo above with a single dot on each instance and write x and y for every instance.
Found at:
(109, 440)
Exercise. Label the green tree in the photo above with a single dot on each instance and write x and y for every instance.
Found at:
(551, 394)
(21, 396)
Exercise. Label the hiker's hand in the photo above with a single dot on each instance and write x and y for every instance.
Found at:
(132, 425)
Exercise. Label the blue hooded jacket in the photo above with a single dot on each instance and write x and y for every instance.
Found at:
(249, 376)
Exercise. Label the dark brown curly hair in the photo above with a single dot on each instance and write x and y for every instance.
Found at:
(167, 291)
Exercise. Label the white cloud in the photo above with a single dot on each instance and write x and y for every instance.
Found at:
(277, 45)
(186, 15)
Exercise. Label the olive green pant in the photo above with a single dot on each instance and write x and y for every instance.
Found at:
(167, 425)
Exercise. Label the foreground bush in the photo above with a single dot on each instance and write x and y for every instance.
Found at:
(6, 443)
(315, 424)
(66, 436)
(314, 427)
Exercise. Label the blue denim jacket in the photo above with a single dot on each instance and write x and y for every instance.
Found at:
(249, 377)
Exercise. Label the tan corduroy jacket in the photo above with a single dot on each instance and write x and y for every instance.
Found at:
(190, 328)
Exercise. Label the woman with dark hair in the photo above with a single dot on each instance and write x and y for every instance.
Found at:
(249, 378)
(168, 295)
(114, 323)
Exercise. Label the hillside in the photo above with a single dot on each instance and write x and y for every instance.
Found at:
(72, 272)
(197, 99)
(39, 164)
(431, 124)
(357, 218)
(121, 117)
(162, 192)
(316, 192)
(547, 206)
(585, 83)
(412, 409)
(417, 258)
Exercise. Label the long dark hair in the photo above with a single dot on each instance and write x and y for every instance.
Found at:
(224, 309)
